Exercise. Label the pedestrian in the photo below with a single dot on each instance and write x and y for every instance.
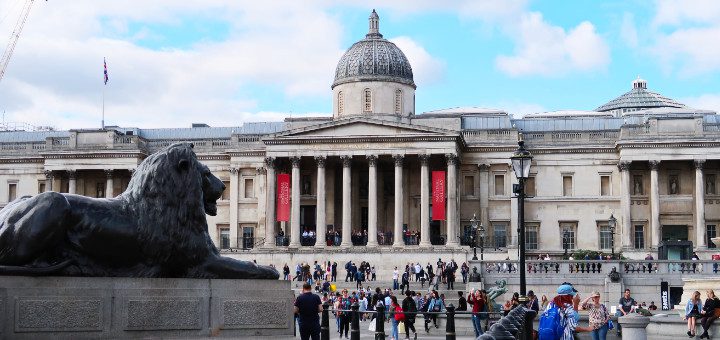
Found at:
(396, 276)
(598, 316)
(344, 313)
(397, 317)
(626, 304)
(286, 272)
(435, 306)
(462, 302)
(410, 309)
(478, 304)
(692, 312)
(564, 303)
(333, 276)
(709, 312)
(307, 307)
(532, 302)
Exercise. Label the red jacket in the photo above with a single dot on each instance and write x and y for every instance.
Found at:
(477, 304)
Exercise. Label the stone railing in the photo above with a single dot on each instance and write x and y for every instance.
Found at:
(571, 136)
(600, 267)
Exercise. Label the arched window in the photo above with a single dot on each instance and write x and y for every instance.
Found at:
(340, 103)
(367, 100)
(398, 101)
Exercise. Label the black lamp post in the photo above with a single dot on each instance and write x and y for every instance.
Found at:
(482, 242)
(612, 222)
(521, 160)
(473, 236)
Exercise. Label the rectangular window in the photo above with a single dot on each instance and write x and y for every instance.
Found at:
(248, 241)
(469, 182)
(638, 185)
(710, 184)
(224, 238)
(41, 186)
(226, 192)
(605, 237)
(531, 237)
(500, 235)
(249, 188)
(12, 191)
(567, 186)
(499, 185)
(711, 232)
(530, 186)
(99, 190)
(639, 236)
(604, 185)
(567, 234)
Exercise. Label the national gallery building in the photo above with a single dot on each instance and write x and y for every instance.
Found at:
(380, 178)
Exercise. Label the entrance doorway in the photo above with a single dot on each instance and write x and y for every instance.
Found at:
(307, 224)
(674, 233)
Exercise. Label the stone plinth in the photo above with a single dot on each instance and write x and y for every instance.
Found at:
(633, 327)
(113, 308)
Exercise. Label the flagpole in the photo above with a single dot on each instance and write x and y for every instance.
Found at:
(102, 122)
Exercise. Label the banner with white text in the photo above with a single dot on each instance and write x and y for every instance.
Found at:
(438, 195)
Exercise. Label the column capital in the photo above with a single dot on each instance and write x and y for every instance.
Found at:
(484, 167)
(108, 173)
(234, 171)
(295, 160)
(624, 165)
(654, 165)
(49, 174)
(320, 160)
(270, 162)
(451, 158)
(346, 161)
(261, 170)
(424, 159)
(398, 159)
(372, 160)
(72, 174)
(699, 164)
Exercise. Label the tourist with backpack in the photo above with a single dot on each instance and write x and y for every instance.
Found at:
(558, 321)
(435, 305)
(397, 316)
(410, 309)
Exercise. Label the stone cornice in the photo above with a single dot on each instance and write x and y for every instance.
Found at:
(253, 153)
(363, 139)
(653, 144)
(134, 154)
(216, 157)
(22, 160)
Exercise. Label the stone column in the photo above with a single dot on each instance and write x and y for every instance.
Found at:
(424, 201)
(270, 203)
(372, 201)
(72, 183)
(634, 326)
(49, 178)
(397, 227)
(484, 195)
(654, 204)
(700, 205)
(625, 218)
(260, 194)
(295, 203)
(452, 196)
(346, 204)
(233, 208)
(109, 183)
(320, 220)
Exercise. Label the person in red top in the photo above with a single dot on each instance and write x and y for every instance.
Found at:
(478, 304)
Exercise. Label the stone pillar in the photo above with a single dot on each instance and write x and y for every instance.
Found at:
(452, 196)
(270, 203)
(654, 204)
(699, 205)
(72, 183)
(484, 195)
(634, 326)
(49, 178)
(424, 201)
(397, 230)
(260, 194)
(625, 218)
(233, 208)
(372, 201)
(109, 183)
(346, 204)
(295, 203)
(320, 220)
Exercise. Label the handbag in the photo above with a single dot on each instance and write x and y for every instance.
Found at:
(716, 312)
(401, 327)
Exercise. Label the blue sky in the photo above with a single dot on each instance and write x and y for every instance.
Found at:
(227, 62)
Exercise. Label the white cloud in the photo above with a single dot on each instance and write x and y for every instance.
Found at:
(673, 12)
(628, 32)
(426, 69)
(544, 49)
(708, 101)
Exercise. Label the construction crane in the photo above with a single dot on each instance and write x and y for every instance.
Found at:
(15, 36)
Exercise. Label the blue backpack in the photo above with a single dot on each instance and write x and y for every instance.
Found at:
(551, 324)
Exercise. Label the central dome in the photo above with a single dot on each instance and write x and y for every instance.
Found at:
(373, 59)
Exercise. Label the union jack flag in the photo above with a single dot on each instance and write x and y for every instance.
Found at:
(106, 74)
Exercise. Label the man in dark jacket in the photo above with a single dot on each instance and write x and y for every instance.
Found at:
(462, 303)
(409, 307)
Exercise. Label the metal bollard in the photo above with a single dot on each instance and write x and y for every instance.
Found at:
(325, 322)
(450, 325)
(529, 317)
(355, 322)
(380, 321)
(499, 332)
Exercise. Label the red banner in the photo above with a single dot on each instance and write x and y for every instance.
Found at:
(438, 195)
(283, 197)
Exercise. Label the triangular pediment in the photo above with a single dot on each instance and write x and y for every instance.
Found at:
(363, 127)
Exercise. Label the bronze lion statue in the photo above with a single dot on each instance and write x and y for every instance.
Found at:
(156, 228)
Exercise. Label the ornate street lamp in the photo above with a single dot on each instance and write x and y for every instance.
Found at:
(482, 242)
(521, 160)
(474, 227)
(612, 222)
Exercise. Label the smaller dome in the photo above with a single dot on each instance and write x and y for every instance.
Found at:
(639, 98)
(373, 59)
